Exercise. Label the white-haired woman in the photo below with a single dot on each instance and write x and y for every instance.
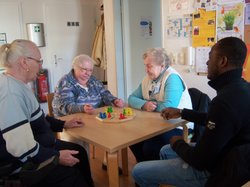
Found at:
(80, 91)
(162, 87)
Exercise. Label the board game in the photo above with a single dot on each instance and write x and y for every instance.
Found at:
(116, 115)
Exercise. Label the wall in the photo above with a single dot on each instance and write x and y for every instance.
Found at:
(177, 46)
(65, 42)
(14, 14)
(135, 38)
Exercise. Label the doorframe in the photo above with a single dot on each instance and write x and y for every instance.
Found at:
(114, 47)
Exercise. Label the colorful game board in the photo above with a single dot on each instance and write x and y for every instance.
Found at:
(116, 115)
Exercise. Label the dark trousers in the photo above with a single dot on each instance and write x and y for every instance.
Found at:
(65, 176)
(150, 149)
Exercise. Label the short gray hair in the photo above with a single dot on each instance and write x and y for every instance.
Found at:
(9, 53)
(80, 59)
(159, 56)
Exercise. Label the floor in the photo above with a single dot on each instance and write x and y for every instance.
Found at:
(100, 176)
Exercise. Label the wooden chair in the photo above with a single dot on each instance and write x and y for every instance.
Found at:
(50, 97)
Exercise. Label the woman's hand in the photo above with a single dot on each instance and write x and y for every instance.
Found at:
(89, 109)
(150, 106)
(119, 103)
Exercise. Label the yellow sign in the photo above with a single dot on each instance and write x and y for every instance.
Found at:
(203, 28)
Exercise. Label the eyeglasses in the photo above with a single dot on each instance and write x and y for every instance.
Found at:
(85, 69)
(38, 61)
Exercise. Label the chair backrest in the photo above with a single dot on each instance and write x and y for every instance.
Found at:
(50, 97)
(200, 103)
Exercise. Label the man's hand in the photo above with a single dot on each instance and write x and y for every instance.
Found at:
(149, 106)
(174, 139)
(66, 157)
(170, 113)
(73, 123)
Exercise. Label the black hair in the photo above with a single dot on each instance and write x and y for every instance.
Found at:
(234, 49)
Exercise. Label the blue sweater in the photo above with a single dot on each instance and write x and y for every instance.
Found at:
(173, 91)
(70, 97)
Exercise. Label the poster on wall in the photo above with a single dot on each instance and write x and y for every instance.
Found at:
(229, 1)
(146, 27)
(177, 7)
(3, 38)
(247, 34)
(201, 58)
(203, 33)
(206, 4)
(179, 27)
(230, 20)
(246, 67)
(247, 14)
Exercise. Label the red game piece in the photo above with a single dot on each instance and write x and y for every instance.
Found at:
(122, 116)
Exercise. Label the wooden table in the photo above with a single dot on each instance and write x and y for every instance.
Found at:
(113, 137)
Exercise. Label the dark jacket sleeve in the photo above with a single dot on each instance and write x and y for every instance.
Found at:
(46, 139)
(215, 141)
(194, 116)
(56, 125)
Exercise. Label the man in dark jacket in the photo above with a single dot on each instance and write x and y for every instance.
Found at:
(228, 125)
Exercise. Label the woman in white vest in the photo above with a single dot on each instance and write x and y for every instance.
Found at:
(162, 87)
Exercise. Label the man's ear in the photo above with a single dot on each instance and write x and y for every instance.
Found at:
(224, 61)
(23, 63)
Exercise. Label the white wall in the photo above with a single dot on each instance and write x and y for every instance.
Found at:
(135, 43)
(14, 14)
(177, 46)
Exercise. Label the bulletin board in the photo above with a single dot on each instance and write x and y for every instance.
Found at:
(209, 25)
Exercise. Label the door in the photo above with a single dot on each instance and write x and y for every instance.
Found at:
(70, 31)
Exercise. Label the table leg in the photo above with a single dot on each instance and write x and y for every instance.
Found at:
(124, 153)
(113, 174)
